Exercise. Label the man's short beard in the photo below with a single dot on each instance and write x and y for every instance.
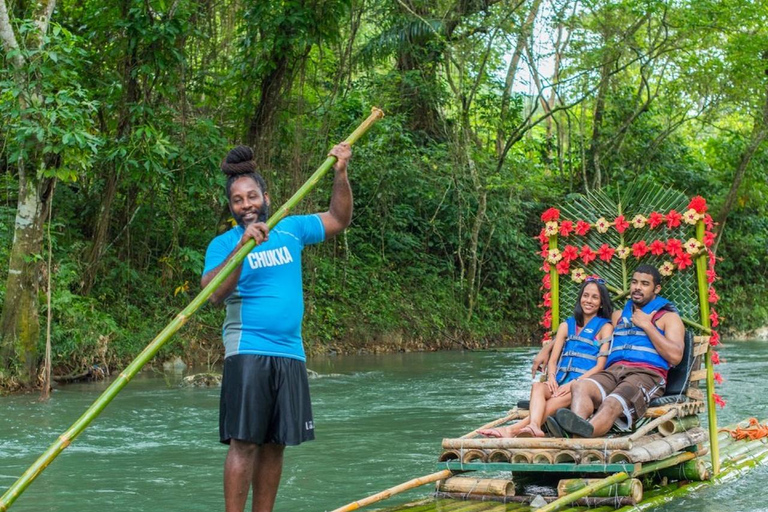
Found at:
(262, 216)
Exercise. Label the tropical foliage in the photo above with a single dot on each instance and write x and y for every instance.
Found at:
(115, 116)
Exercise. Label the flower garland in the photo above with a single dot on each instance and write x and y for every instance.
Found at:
(680, 255)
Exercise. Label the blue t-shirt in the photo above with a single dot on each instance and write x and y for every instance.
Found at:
(265, 310)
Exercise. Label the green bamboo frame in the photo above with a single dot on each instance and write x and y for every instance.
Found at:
(132, 369)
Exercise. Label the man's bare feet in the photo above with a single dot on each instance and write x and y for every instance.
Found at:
(497, 432)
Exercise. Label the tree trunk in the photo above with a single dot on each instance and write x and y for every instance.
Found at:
(19, 323)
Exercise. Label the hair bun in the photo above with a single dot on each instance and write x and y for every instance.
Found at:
(239, 160)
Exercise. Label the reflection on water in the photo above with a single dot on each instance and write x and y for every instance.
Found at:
(379, 421)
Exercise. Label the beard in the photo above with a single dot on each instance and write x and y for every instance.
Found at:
(262, 215)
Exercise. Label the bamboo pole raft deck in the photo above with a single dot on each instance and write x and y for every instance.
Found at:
(680, 465)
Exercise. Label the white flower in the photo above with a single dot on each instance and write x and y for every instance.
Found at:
(554, 256)
(666, 268)
(692, 246)
(691, 216)
(551, 228)
(602, 225)
(623, 252)
(578, 275)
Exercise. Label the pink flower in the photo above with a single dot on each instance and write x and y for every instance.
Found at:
(708, 222)
(718, 400)
(699, 204)
(711, 276)
(582, 228)
(546, 281)
(713, 296)
(545, 251)
(546, 320)
(605, 252)
(714, 339)
(715, 357)
(547, 300)
(673, 219)
(566, 227)
(563, 267)
(587, 255)
(547, 337)
(683, 260)
(550, 215)
(655, 219)
(570, 253)
(674, 247)
(718, 378)
(543, 238)
(709, 239)
(714, 318)
(621, 224)
(640, 249)
(657, 247)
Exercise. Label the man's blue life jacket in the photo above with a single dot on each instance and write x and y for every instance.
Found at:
(632, 344)
(580, 351)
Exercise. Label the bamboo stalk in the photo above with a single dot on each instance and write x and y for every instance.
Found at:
(499, 456)
(513, 415)
(609, 503)
(150, 350)
(554, 288)
(506, 443)
(677, 425)
(667, 446)
(694, 469)
(631, 487)
(584, 492)
(405, 486)
(488, 486)
(640, 432)
(701, 277)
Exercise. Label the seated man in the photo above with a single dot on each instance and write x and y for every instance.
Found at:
(648, 339)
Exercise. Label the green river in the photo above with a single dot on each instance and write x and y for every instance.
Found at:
(379, 421)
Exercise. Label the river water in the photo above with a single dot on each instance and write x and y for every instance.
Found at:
(379, 421)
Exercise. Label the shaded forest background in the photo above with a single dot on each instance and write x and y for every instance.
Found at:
(115, 116)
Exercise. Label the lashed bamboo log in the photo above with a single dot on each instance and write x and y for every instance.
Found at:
(449, 455)
(609, 503)
(499, 456)
(149, 352)
(488, 486)
(667, 446)
(508, 443)
(631, 487)
(405, 486)
(584, 492)
(654, 423)
(619, 456)
(521, 457)
(677, 425)
(473, 456)
(543, 457)
(567, 457)
(593, 457)
(695, 470)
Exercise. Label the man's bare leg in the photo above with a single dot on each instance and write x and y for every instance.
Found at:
(266, 476)
(238, 474)
(586, 398)
(605, 416)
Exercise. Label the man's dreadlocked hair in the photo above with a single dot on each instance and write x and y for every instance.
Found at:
(238, 163)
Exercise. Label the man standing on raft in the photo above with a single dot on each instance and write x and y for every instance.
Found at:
(648, 339)
(265, 402)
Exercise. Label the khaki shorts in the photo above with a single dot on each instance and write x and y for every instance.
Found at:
(633, 387)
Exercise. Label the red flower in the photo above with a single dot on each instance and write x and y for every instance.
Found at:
(708, 222)
(545, 251)
(547, 299)
(543, 238)
(713, 296)
(673, 219)
(718, 378)
(709, 238)
(640, 249)
(657, 247)
(582, 228)
(545, 267)
(699, 204)
(711, 276)
(570, 253)
(714, 339)
(714, 318)
(563, 267)
(715, 357)
(546, 321)
(547, 337)
(683, 260)
(674, 247)
(620, 224)
(655, 219)
(587, 255)
(605, 252)
(551, 214)
(546, 282)
(566, 227)
(718, 400)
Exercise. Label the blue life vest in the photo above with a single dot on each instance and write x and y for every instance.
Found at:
(580, 351)
(631, 344)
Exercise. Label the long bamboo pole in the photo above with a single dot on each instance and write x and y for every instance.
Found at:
(132, 369)
(405, 486)
(584, 492)
(701, 277)
(554, 288)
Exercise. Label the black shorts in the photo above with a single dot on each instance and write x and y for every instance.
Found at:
(265, 399)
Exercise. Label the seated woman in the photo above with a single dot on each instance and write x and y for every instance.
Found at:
(583, 341)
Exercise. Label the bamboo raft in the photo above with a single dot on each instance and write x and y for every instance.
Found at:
(670, 453)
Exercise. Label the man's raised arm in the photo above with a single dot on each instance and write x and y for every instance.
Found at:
(339, 214)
